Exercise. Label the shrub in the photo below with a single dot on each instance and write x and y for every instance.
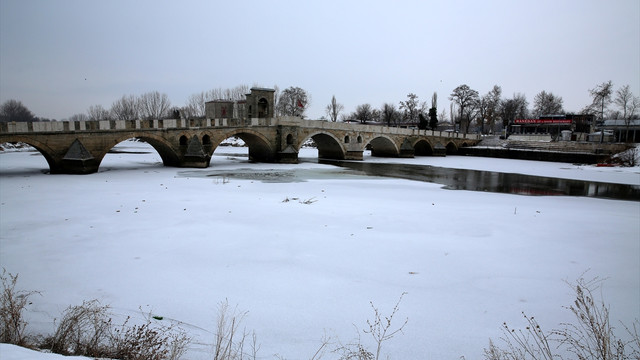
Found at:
(591, 337)
(531, 343)
(149, 341)
(88, 330)
(139, 342)
(381, 330)
(12, 306)
(83, 330)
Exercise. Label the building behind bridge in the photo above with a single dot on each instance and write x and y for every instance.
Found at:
(553, 125)
(578, 127)
(259, 103)
(622, 130)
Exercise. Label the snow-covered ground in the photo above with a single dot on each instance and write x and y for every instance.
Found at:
(176, 242)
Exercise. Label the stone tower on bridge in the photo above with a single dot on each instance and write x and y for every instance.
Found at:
(259, 103)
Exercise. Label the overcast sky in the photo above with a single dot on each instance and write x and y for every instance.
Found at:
(60, 56)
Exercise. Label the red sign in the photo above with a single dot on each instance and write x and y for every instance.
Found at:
(542, 121)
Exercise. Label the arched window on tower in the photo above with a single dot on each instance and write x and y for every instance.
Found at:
(263, 108)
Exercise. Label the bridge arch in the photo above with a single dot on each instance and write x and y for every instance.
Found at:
(206, 140)
(451, 148)
(43, 149)
(162, 146)
(383, 146)
(422, 147)
(260, 150)
(329, 146)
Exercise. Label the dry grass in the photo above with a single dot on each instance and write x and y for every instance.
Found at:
(229, 342)
(88, 330)
(13, 303)
(590, 337)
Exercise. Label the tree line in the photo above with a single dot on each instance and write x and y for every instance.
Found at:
(293, 101)
(471, 112)
(468, 110)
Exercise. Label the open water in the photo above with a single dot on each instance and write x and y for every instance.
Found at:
(453, 179)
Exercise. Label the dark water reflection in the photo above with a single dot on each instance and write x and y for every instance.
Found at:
(476, 180)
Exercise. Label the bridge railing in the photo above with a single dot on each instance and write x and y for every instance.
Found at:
(124, 125)
(373, 128)
(111, 125)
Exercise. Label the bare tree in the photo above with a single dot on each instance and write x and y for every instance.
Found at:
(344, 117)
(389, 114)
(601, 95)
(471, 113)
(97, 112)
(333, 109)
(514, 108)
(375, 115)
(633, 107)
(410, 108)
(624, 100)
(443, 116)
(545, 103)
(126, 108)
(293, 101)
(195, 106)
(628, 104)
(13, 110)
(467, 100)
(364, 113)
(154, 105)
(488, 108)
(78, 117)
(234, 94)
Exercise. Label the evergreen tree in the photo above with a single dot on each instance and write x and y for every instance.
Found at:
(422, 125)
(433, 118)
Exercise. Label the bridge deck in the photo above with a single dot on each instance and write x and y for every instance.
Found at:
(115, 125)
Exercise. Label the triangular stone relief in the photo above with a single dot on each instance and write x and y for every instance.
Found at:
(406, 145)
(289, 150)
(195, 148)
(77, 151)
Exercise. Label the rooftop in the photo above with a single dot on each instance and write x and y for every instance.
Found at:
(621, 123)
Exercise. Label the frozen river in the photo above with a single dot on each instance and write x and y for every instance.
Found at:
(305, 248)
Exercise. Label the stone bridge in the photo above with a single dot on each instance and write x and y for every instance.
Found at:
(78, 147)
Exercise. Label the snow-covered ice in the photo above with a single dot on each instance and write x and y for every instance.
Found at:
(139, 236)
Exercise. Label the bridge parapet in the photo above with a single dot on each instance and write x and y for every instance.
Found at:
(365, 128)
(111, 125)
